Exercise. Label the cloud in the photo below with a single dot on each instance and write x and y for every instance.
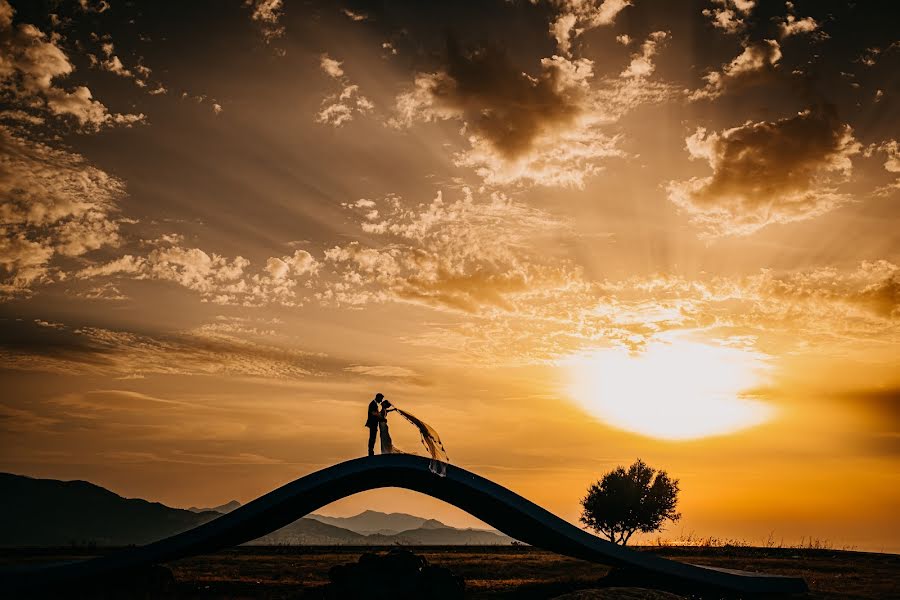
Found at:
(873, 288)
(216, 278)
(211, 349)
(338, 109)
(791, 25)
(767, 172)
(54, 203)
(891, 150)
(575, 17)
(544, 129)
(23, 260)
(107, 291)
(501, 105)
(354, 16)
(80, 104)
(331, 67)
(641, 64)
(98, 6)
(341, 107)
(728, 15)
(757, 59)
(469, 255)
(31, 65)
(792, 311)
(267, 13)
(113, 63)
(382, 371)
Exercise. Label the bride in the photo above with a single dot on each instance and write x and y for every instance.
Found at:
(430, 438)
(387, 445)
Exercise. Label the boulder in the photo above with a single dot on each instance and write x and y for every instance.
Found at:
(394, 575)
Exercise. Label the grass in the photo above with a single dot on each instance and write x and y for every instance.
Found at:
(691, 539)
(509, 571)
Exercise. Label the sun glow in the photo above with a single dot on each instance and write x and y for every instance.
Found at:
(674, 389)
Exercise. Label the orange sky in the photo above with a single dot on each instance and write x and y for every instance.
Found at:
(566, 235)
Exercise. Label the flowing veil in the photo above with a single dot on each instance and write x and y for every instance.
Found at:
(431, 440)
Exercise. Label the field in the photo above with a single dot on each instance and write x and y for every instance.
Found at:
(501, 572)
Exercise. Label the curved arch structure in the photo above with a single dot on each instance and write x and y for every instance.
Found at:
(501, 508)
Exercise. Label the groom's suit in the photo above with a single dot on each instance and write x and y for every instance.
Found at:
(372, 423)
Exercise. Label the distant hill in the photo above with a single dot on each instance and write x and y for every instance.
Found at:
(47, 512)
(371, 521)
(441, 536)
(223, 509)
(311, 532)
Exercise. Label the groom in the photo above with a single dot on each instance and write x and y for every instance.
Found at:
(372, 421)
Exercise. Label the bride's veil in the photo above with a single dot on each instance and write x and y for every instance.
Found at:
(431, 440)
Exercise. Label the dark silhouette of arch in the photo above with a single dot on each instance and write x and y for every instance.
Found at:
(499, 507)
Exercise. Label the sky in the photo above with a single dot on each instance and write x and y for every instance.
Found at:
(566, 234)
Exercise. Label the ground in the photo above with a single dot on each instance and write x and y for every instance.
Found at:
(502, 572)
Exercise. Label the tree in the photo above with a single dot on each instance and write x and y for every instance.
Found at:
(626, 501)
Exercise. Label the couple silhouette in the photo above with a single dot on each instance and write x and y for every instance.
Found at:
(377, 424)
(376, 421)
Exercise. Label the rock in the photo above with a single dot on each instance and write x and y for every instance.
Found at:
(396, 575)
(618, 593)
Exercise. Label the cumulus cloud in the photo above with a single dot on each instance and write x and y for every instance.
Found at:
(641, 64)
(891, 151)
(845, 308)
(792, 26)
(216, 278)
(578, 16)
(331, 67)
(341, 107)
(32, 62)
(873, 288)
(756, 59)
(267, 14)
(728, 15)
(113, 63)
(767, 172)
(544, 129)
(467, 255)
(501, 105)
(52, 203)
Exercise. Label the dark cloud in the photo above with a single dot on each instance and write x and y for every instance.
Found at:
(212, 349)
(768, 172)
(883, 403)
(499, 102)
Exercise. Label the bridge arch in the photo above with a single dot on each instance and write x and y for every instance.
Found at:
(496, 505)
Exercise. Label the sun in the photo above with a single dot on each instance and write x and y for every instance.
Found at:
(675, 388)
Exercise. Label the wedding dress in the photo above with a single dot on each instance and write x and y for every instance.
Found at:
(430, 439)
(387, 445)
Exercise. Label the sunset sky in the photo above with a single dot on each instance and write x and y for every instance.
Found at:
(566, 234)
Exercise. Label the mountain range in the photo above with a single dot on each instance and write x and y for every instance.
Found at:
(48, 512)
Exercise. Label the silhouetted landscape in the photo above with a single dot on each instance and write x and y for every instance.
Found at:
(46, 512)
(435, 300)
(499, 572)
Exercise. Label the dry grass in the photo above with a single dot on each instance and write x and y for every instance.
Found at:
(510, 571)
